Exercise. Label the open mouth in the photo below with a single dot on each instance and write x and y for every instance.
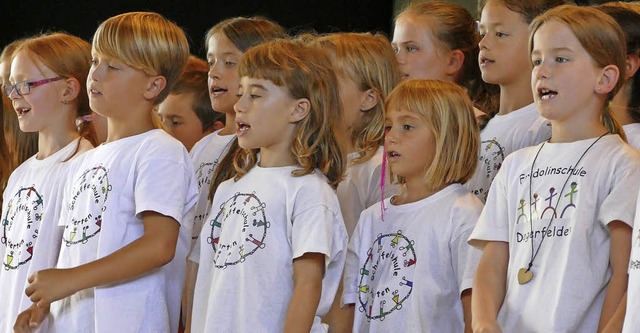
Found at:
(485, 61)
(22, 111)
(392, 154)
(242, 128)
(546, 94)
(94, 92)
(217, 91)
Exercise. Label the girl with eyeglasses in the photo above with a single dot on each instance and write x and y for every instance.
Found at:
(48, 92)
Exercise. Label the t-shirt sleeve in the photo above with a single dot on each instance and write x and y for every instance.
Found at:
(620, 203)
(493, 224)
(164, 185)
(314, 230)
(465, 259)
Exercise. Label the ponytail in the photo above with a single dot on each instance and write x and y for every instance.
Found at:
(611, 124)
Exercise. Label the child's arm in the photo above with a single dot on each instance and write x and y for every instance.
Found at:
(30, 319)
(188, 293)
(466, 310)
(308, 271)
(619, 260)
(617, 321)
(489, 287)
(154, 249)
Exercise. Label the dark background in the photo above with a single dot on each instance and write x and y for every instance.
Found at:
(22, 18)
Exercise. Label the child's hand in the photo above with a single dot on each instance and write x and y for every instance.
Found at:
(30, 319)
(50, 285)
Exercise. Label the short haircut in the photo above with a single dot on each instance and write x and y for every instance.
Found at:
(146, 41)
(448, 112)
(193, 80)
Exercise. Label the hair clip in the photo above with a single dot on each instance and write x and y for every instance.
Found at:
(84, 119)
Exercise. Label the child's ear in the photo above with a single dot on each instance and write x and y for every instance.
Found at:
(71, 90)
(633, 62)
(456, 60)
(301, 108)
(370, 100)
(608, 79)
(154, 87)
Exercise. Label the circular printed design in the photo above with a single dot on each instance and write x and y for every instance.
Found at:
(491, 157)
(386, 278)
(203, 174)
(246, 212)
(90, 193)
(20, 226)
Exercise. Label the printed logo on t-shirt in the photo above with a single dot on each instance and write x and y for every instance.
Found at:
(24, 211)
(88, 203)
(247, 212)
(634, 263)
(204, 172)
(386, 278)
(544, 207)
(490, 160)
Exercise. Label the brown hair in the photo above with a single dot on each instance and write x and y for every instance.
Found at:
(193, 80)
(5, 159)
(628, 17)
(528, 10)
(23, 145)
(454, 28)
(370, 62)
(243, 32)
(306, 72)
(601, 37)
(146, 41)
(69, 57)
(447, 110)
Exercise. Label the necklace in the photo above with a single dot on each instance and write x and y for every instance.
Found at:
(526, 274)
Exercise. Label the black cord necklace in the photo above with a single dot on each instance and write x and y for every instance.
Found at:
(526, 274)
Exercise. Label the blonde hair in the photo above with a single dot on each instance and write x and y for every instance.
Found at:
(69, 57)
(306, 72)
(146, 41)
(601, 37)
(448, 112)
(370, 62)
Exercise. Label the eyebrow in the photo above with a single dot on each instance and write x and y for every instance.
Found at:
(555, 49)
(406, 42)
(223, 54)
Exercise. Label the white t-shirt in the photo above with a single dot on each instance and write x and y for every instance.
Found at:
(30, 237)
(503, 135)
(101, 214)
(407, 273)
(206, 154)
(571, 270)
(631, 319)
(633, 134)
(256, 228)
(361, 188)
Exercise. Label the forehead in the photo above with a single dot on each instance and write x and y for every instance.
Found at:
(177, 105)
(496, 13)
(554, 34)
(23, 64)
(412, 29)
(218, 43)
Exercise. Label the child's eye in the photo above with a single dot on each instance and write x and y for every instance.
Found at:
(536, 62)
(482, 34)
(112, 67)
(229, 63)
(94, 62)
(387, 128)
(412, 49)
(395, 49)
(254, 96)
(407, 127)
(500, 34)
(561, 59)
(210, 63)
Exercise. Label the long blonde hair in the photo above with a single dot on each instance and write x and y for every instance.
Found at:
(601, 37)
(370, 62)
(306, 72)
(448, 112)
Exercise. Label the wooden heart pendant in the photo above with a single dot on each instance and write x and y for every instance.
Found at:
(524, 276)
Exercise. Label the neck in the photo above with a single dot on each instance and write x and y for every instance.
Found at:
(136, 122)
(413, 191)
(272, 159)
(50, 143)
(575, 131)
(619, 106)
(515, 96)
(229, 124)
